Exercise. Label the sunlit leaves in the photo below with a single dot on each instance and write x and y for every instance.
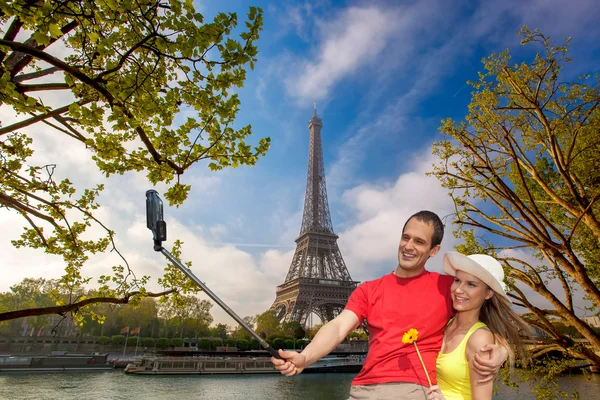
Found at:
(174, 278)
(523, 170)
(152, 88)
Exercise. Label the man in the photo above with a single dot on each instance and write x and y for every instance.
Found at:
(410, 297)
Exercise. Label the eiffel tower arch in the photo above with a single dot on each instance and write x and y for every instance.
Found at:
(318, 280)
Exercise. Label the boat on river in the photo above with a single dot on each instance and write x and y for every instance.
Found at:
(160, 365)
(55, 362)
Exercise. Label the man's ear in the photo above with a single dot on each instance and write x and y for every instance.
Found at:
(436, 249)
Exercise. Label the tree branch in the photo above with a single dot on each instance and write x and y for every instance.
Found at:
(35, 75)
(70, 131)
(11, 33)
(40, 117)
(39, 87)
(16, 62)
(125, 56)
(22, 208)
(111, 100)
(74, 307)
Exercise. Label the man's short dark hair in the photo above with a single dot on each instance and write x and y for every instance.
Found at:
(430, 218)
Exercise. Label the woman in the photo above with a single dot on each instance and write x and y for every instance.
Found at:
(483, 316)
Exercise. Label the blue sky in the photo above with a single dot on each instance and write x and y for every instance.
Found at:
(383, 74)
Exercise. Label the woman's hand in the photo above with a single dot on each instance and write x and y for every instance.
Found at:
(434, 393)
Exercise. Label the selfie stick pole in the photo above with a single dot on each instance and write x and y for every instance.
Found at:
(158, 227)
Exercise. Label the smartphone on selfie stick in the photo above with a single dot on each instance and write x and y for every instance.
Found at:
(156, 223)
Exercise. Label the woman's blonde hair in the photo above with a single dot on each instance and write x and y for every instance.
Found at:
(506, 325)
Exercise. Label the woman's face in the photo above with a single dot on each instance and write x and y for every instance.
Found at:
(469, 292)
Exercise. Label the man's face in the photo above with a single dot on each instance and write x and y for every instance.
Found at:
(415, 248)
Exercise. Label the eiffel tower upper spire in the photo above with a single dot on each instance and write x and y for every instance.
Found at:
(316, 216)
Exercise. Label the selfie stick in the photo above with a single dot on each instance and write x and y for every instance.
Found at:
(155, 222)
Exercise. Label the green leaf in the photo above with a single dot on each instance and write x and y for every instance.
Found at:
(41, 38)
(54, 30)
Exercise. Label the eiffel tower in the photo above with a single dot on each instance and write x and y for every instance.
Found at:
(318, 280)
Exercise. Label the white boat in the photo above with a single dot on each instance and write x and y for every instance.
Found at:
(161, 365)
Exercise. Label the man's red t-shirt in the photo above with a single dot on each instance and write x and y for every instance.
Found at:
(393, 305)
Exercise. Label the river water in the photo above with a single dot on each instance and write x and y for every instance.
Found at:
(116, 385)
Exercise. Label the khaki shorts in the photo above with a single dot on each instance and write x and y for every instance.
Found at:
(389, 391)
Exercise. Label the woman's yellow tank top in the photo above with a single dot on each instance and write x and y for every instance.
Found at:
(453, 370)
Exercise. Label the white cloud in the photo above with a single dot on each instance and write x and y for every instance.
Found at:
(21, 263)
(218, 230)
(297, 17)
(244, 282)
(370, 245)
(353, 151)
(351, 41)
(396, 117)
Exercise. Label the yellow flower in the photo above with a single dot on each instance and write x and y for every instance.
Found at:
(410, 336)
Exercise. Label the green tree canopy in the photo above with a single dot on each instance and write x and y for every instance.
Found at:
(524, 173)
(267, 324)
(32, 293)
(174, 316)
(219, 331)
(241, 333)
(187, 315)
(127, 73)
(294, 329)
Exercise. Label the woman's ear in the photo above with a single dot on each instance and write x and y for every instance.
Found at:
(489, 294)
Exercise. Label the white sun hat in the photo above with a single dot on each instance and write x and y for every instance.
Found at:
(482, 266)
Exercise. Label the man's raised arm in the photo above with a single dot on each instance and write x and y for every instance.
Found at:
(330, 335)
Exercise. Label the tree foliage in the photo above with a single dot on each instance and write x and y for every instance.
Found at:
(185, 315)
(219, 331)
(267, 324)
(523, 171)
(118, 340)
(173, 316)
(294, 329)
(242, 344)
(143, 85)
(240, 333)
